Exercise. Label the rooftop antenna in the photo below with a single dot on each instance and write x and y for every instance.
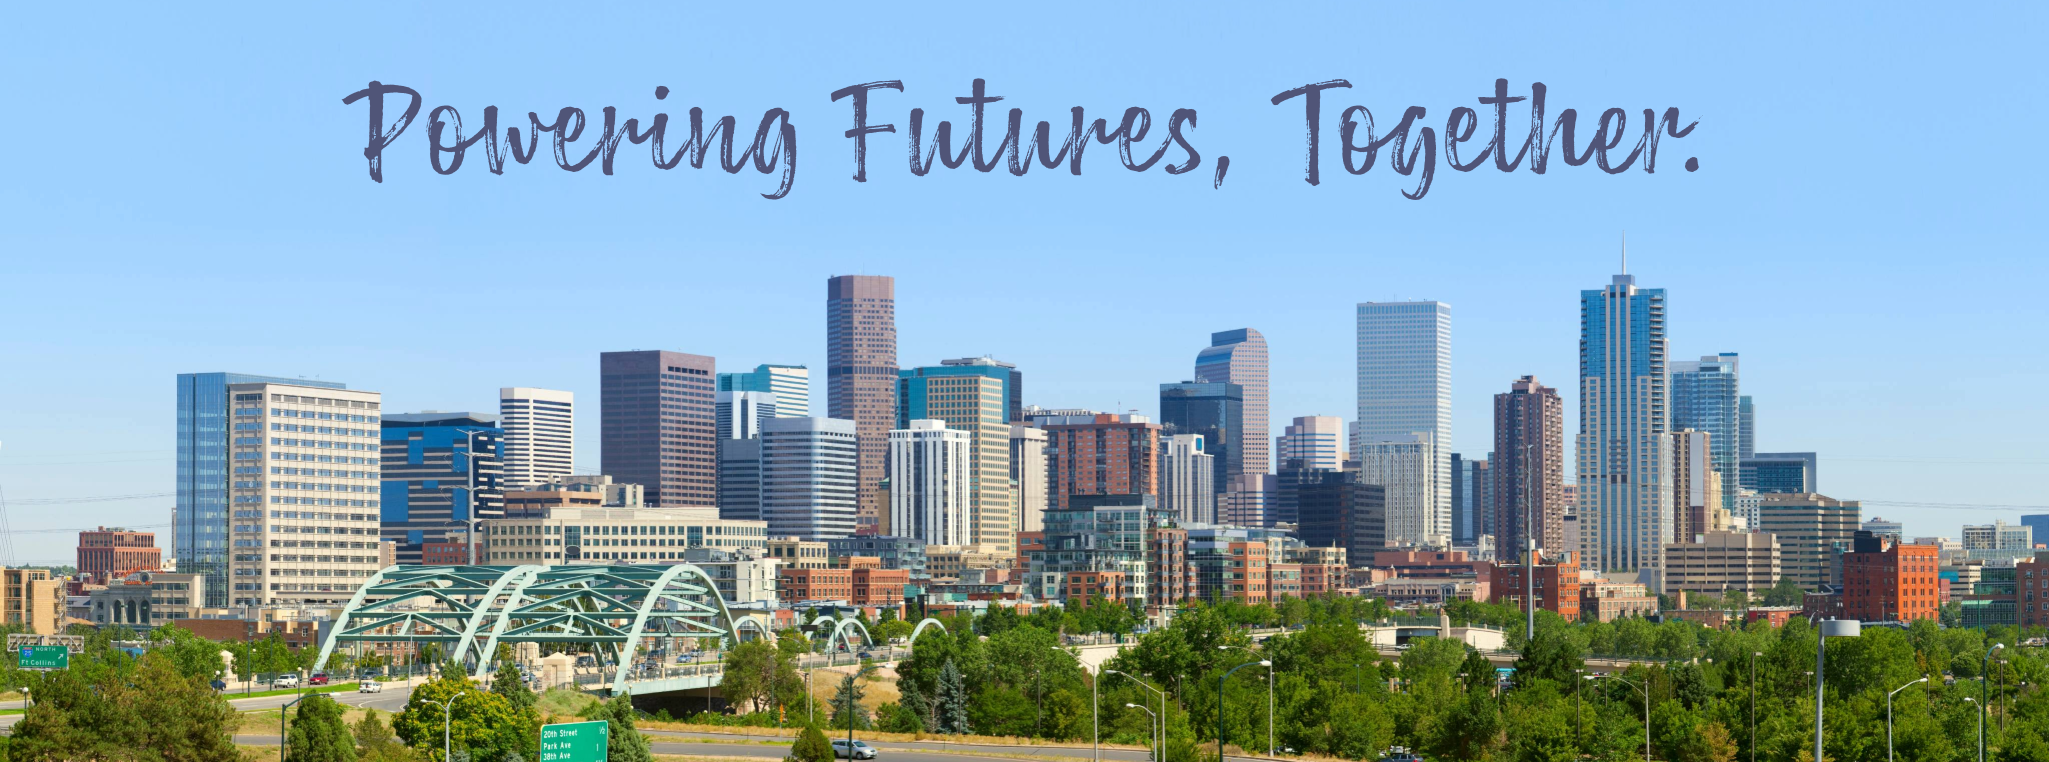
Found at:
(1625, 252)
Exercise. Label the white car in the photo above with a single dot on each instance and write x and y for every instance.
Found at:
(285, 681)
(370, 686)
(856, 750)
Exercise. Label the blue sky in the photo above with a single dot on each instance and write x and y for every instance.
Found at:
(187, 193)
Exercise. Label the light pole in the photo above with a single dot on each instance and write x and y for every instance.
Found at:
(1646, 709)
(447, 718)
(1161, 718)
(1841, 628)
(1753, 704)
(1981, 727)
(1529, 553)
(810, 699)
(850, 706)
(1984, 704)
(1888, 716)
(1578, 729)
(1220, 700)
(284, 741)
(1095, 721)
(1155, 722)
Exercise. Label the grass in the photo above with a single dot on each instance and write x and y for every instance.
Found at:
(335, 688)
(867, 735)
(564, 702)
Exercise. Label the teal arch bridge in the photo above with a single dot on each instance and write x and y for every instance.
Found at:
(627, 617)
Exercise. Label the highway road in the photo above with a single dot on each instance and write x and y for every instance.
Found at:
(391, 699)
(771, 747)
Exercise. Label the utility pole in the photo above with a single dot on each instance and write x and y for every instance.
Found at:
(1529, 552)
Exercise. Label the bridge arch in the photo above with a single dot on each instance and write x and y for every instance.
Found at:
(922, 624)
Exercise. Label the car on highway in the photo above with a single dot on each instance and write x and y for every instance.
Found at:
(370, 686)
(855, 750)
(285, 681)
(319, 678)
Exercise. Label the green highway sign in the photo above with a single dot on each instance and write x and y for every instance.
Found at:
(574, 742)
(45, 657)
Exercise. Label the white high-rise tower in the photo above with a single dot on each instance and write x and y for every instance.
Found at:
(1405, 390)
(540, 434)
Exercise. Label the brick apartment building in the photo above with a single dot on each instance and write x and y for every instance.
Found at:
(1557, 584)
(105, 554)
(1886, 581)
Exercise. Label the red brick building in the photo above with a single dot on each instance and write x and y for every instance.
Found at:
(1557, 584)
(1085, 585)
(2031, 591)
(1171, 579)
(817, 585)
(1028, 543)
(872, 585)
(112, 553)
(448, 553)
(1108, 455)
(1886, 581)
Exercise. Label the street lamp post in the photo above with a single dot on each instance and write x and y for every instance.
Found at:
(1578, 729)
(1095, 722)
(1155, 722)
(1984, 704)
(1220, 700)
(1529, 552)
(1646, 709)
(1842, 628)
(810, 699)
(447, 718)
(1888, 716)
(850, 706)
(1753, 704)
(284, 741)
(1161, 718)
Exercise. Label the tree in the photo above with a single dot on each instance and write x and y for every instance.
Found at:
(951, 703)
(318, 734)
(757, 673)
(846, 707)
(481, 722)
(375, 741)
(108, 706)
(510, 684)
(626, 744)
(1552, 657)
(191, 655)
(1785, 593)
(810, 746)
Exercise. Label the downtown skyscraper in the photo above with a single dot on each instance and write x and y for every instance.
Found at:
(970, 396)
(1528, 468)
(1707, 396)
(1404, 364)
(861, 380)
(656, 425)
(1624, 500)
(1239, 357)
(263, 462)
(540, 435)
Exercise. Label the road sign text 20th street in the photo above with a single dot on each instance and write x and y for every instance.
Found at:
(574, 742)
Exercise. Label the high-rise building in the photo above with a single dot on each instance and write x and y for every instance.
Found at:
(970, 396)
(1215, 411)
(1999, 541)
(1528, 467)
(738, 415)
(1404, 366)
(1885, 581)
(1882, 528)
(1101, 532)
(1781, 472)
(1696, 487)
(657, 425)
(931, 468)
(1103, 454)
(540, 435)
(1747, 512)
(1746, 416)
(1013, 390)
(1188, 485)
(263, 459)
(1624, 497)
(791, 385)
(1706, 396)
(1406, 468)
(740, 479)
(1472, 500)
(1716, 562)
(2039, 523)
(1246, 499)
(1813, 532)
(861, 378)
(1030, 477)
(105, 554)
(1284, 505)
(1319, 440)
(809, 472)
(1239, 357)
(1341, 511)
(442, 473)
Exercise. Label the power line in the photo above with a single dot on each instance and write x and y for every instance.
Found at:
(86, 529)
(1954, 506)
(93, 499)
